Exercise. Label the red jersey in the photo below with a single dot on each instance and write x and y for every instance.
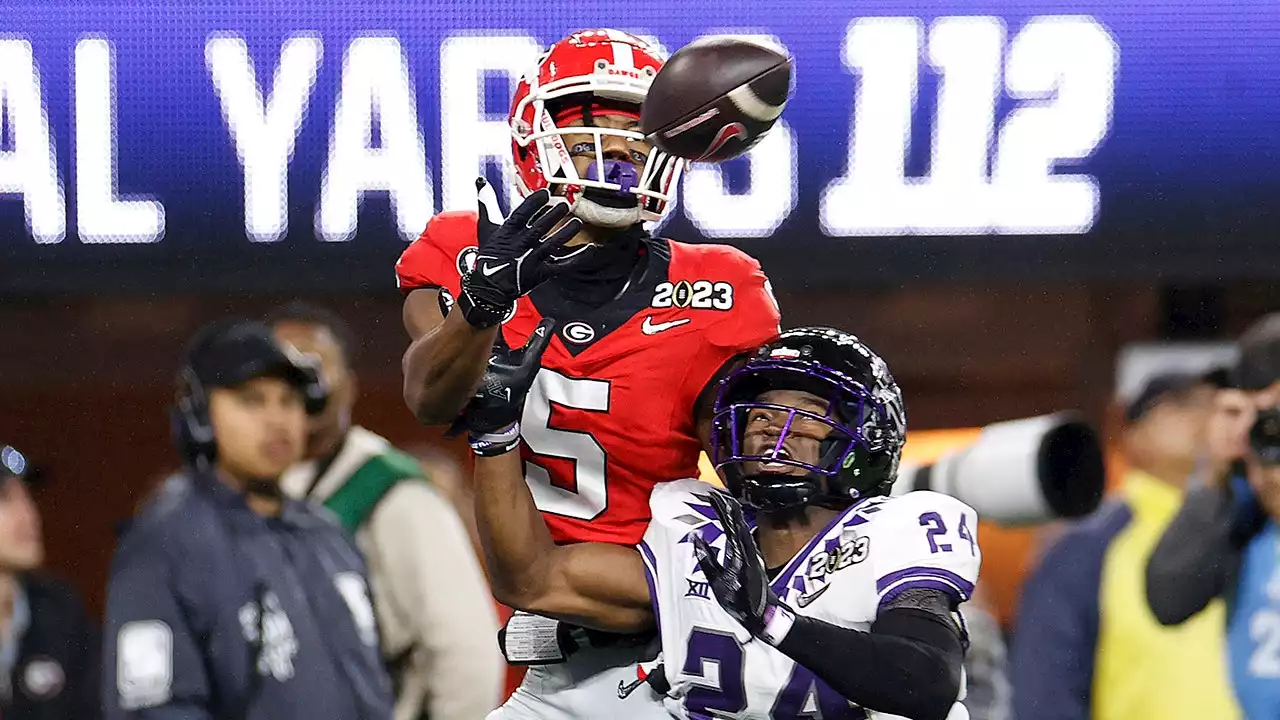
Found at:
(611, 413)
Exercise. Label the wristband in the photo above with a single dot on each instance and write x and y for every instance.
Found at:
(529, 639)
(497, 442)
(778, 619)
(480, 314)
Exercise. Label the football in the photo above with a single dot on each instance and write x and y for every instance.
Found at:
(716, 97)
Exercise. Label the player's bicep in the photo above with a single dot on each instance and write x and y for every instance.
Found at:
(939, 604)
(601, 586)
(928, 600)
(424, 310)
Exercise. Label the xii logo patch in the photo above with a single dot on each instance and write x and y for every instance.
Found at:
(698, 589)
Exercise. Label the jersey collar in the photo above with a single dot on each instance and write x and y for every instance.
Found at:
(850, 517)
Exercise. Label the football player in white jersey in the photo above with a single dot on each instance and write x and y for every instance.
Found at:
(825, 598)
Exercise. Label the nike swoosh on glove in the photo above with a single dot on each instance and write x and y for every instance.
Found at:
(741, 583)
(515, 254)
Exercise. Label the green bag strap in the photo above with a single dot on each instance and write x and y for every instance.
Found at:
(355, 501)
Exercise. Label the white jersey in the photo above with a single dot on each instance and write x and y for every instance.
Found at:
(868, 555)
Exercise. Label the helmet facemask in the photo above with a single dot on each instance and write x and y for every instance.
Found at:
(611, 192)
(803, 457)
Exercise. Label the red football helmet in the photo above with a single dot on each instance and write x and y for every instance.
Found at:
(613, 69)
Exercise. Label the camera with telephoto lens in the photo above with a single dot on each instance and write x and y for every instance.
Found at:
(1020, 472)
(1264, 436)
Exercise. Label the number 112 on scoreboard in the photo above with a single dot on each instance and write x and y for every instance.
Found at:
(1059, 73)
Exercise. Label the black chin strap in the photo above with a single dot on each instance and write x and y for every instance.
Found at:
(773, 494)
(777, 493)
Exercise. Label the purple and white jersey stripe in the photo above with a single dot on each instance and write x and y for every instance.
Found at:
(893, 584)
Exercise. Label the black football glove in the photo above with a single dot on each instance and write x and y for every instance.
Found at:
(741, 583)
(514, 256)
(492, 416)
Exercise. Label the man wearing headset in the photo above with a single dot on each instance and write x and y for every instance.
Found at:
(227, 600)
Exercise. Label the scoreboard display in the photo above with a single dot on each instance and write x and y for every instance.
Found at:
(151, 145)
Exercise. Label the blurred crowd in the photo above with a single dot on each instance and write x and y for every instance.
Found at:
(1163, 603)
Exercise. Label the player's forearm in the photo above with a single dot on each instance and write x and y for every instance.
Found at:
(908, 665)
(517, 545)
(596, 585)
(443, 367)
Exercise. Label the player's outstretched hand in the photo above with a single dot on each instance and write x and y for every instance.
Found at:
(492, 416)
(741, 583)
(515, 254)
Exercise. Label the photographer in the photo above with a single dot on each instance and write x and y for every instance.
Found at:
(1223, 541)
(227, 600)
(1085, 645)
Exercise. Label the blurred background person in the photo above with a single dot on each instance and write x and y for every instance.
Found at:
(449, 479)
(435, 612)
(1223, 542)
(1084, 644)
(226, 599)
(48, 647)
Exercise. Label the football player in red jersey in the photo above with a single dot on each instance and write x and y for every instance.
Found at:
(644, 326)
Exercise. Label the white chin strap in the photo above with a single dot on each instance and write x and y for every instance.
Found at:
(593, 213)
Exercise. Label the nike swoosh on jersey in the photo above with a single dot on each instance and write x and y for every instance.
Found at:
(806, 600)
(652, 328)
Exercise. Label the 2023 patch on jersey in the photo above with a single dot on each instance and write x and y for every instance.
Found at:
(611, 412)
(868, 555)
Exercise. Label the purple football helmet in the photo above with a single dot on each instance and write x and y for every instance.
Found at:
(861, 432)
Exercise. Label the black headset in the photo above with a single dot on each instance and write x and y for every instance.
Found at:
(189, 416)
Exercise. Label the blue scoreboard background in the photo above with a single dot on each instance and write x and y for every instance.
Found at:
(243, 145)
